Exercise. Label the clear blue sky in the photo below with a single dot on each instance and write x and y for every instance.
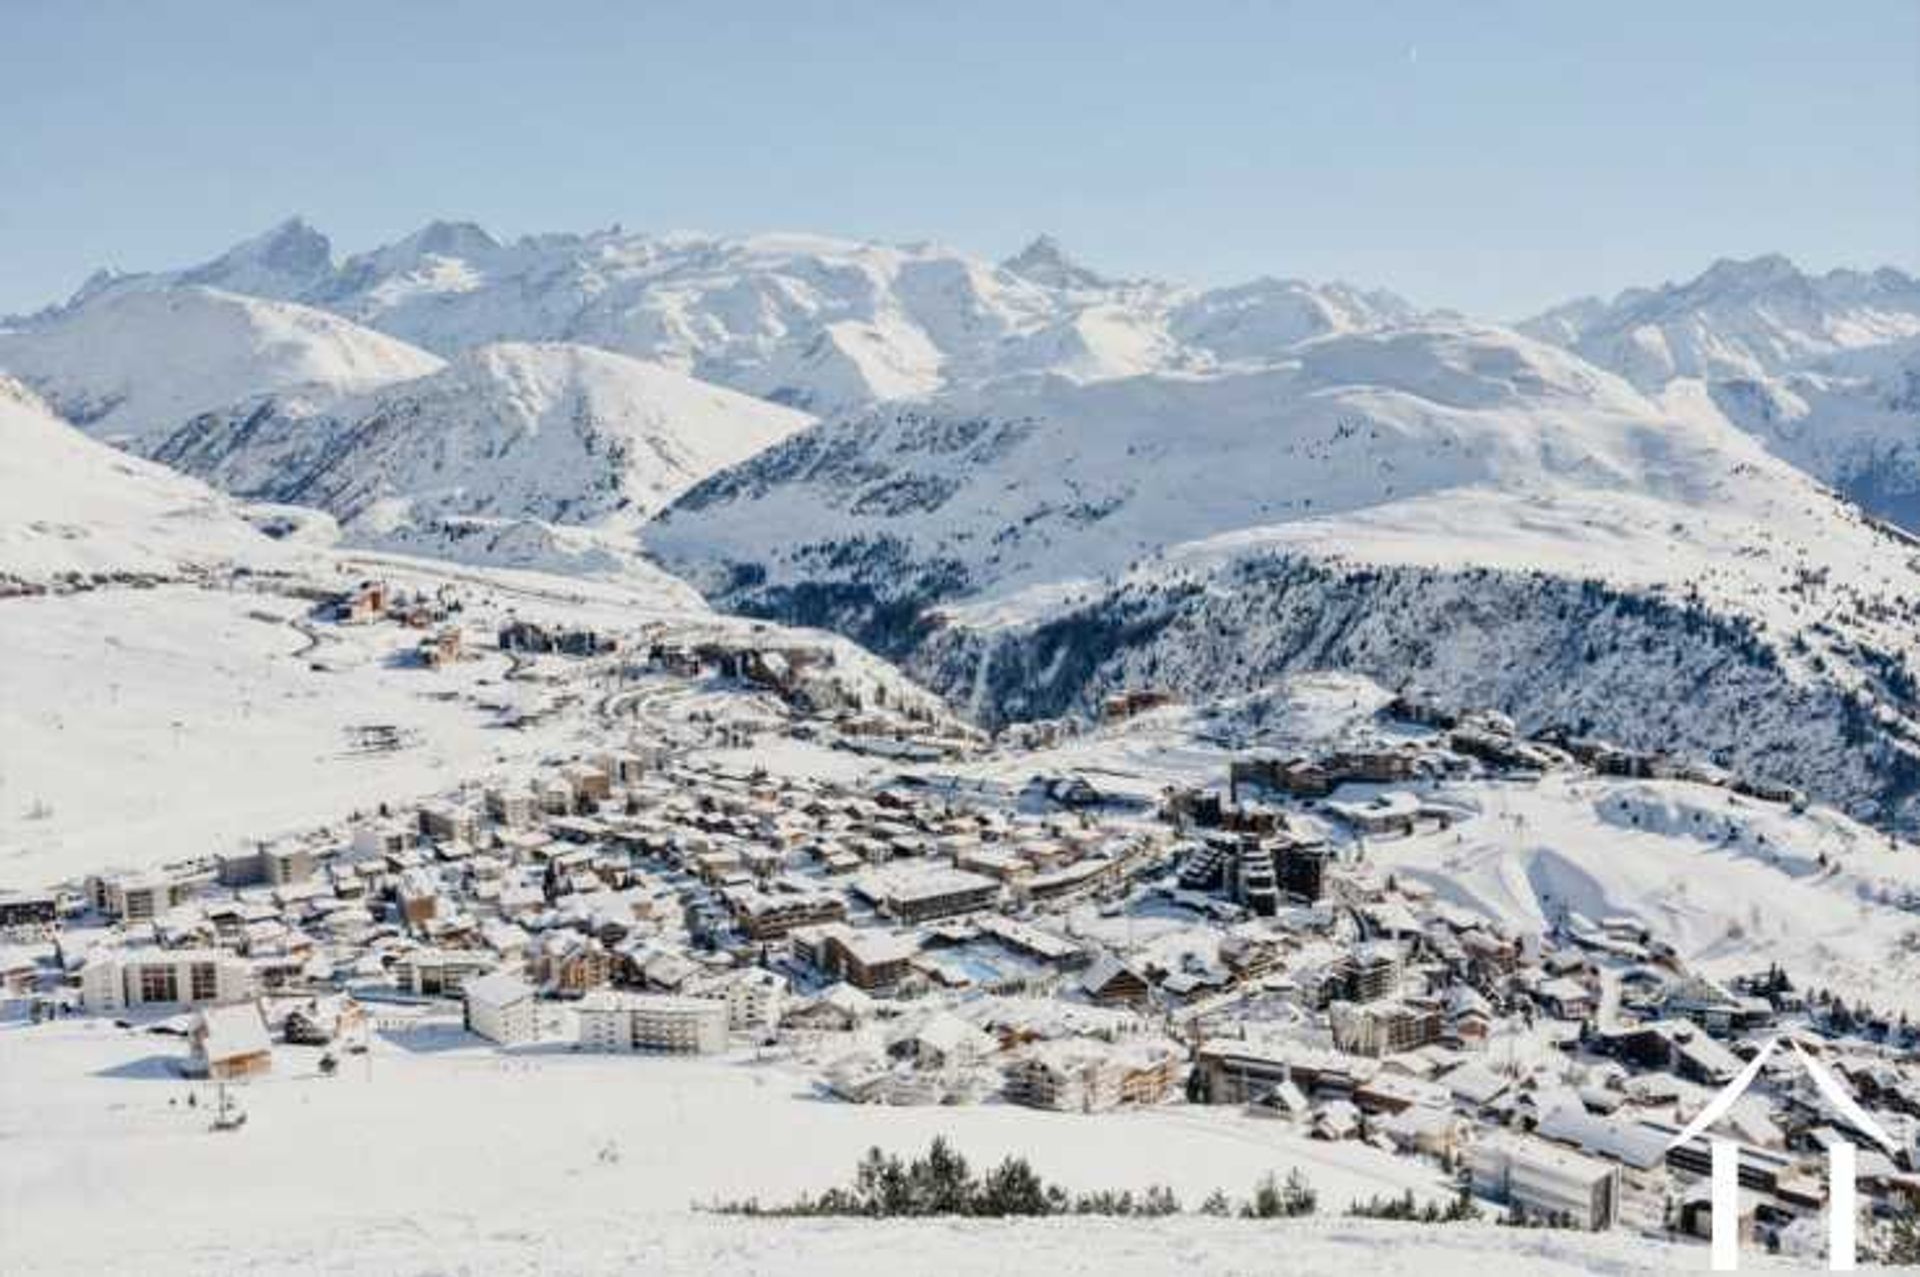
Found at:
(1489, 156)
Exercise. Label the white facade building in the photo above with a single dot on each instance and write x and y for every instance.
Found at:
(660, 1023)
(1545, 1181)
(500, 1008)
(116, 980)
(755, 1000)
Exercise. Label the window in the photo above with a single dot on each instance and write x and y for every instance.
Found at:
(158, 984)
(205, 982)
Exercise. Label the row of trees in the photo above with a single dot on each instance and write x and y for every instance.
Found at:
(941, 1182)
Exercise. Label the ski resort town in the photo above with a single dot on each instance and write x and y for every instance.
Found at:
(943, 937)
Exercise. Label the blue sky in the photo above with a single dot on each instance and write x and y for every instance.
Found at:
(1490, 156)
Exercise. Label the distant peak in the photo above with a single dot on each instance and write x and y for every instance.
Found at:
(1753, 272)
(293, 235)
(290, 251)
(1044, 261)
(452, 239)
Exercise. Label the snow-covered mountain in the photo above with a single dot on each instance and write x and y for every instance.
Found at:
(1825, 370)
(1749, 319)
(132, 365)
(816, 322)
(71, 506)
(1039, 480)
(1403, 502)
(539, 454)
(1852, 418)
(1045, 480)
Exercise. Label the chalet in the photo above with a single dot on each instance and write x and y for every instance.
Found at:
(867, 959)
(567, 963)
(842, 1008)
(228, 1043)
(319, 1021)
(1567, 999)
(941, 1040)
(1110, 981)
(1715, 1009)
(1335, 1120)
(366, 601)
(1432, 1132)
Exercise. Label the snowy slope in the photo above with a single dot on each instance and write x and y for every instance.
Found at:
(534, 456)
(1398, 444)
(637, 1144)
(1730, 882)
(71, 505)
(562, 433)
(133, 366)
(1853, 419)
(1822, 369)
(817, 322)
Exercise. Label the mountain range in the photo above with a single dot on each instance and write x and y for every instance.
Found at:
(1674, 517)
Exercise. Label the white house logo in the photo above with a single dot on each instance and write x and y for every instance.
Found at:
(1726, 1162)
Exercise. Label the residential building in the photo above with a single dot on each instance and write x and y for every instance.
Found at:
(661, 1023)
(1382, 1028)
(28, 917)
(866, 959)
(500, 1007)
(1113, 982)
(437, 973)
(140, 897)
(117, 980)
(1546, 1182)
(922, 893)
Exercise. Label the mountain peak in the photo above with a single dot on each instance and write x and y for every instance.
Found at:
(452, 239)
(1045, 262)
(1750, 274)
(280, 262)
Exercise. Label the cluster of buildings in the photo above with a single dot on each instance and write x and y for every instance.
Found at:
(916, 946)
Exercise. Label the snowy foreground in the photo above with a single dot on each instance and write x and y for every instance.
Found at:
(555, 1162)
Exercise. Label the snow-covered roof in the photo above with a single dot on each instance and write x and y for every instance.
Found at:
(229, 1032)
(499, 989)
